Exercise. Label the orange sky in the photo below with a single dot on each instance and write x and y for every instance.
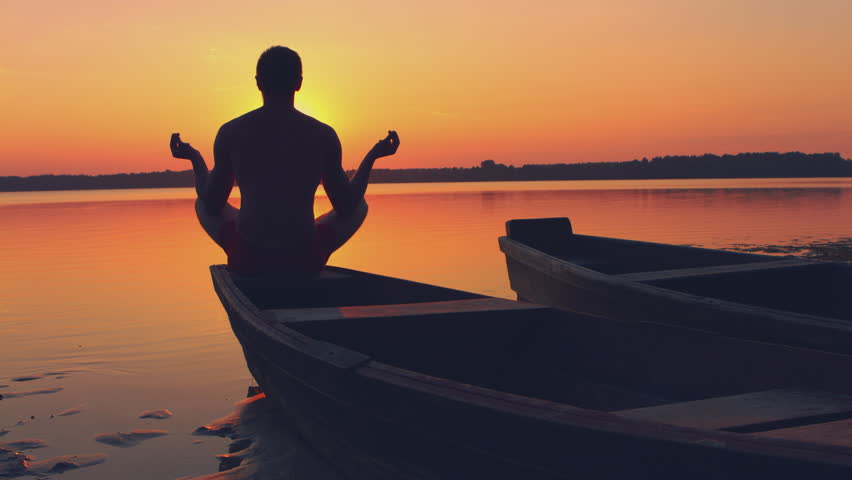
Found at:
(98, 86)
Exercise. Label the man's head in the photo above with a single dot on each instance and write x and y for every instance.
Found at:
(279, 71)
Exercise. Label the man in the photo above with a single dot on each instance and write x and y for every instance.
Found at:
(279, 156)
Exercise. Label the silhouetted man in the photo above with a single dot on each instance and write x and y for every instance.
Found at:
(279, 156)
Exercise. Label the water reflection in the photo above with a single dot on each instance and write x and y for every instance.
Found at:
(264, 446)
(115, 287)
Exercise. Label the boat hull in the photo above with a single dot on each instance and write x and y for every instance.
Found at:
(411, 437)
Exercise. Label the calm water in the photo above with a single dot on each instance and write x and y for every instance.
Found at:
(112, 287)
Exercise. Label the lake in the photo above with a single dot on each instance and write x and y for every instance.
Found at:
(107, 309)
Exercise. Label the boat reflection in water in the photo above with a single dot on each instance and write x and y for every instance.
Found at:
(264, 445)
(388, 378)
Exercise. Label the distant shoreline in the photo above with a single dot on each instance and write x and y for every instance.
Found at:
(743, 165)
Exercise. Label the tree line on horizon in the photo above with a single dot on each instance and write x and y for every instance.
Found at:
(743, 165)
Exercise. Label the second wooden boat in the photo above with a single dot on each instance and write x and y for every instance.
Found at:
(785, 300)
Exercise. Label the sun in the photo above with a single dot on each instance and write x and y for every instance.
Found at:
(314, 104)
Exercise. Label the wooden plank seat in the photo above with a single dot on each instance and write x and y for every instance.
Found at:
(475, 305)
(324, 276)
(837, 433)
(472, 328)
(712, 270)
(751, 412)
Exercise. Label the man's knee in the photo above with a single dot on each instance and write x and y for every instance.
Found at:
(356, 214)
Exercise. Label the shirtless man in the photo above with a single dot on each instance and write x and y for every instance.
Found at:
(279, 156)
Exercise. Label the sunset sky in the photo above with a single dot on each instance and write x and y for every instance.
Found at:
(98, 86)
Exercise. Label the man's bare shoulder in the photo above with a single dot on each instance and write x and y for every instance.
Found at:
(323, 130)
(242, 121)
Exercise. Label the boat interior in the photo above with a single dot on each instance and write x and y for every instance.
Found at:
(635, 369)
(616, 256)
(823, 289)
(815, 288)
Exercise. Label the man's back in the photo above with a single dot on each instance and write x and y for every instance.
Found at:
(279, 158)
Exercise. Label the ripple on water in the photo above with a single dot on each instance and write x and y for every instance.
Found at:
(41, 391)
(838, 250)
(69, 412)
(156, 414)
(16, 464)
(130, 439)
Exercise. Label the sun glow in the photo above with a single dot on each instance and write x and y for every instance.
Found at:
(316, 104)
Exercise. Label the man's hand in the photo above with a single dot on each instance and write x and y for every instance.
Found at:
(182, 149)
(385, 147)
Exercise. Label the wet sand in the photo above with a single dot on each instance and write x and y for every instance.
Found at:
(252, 442)
(17, 460)
(49, 429)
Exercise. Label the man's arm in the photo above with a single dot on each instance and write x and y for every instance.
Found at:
(221, 179)
(213, 188)
(346, 194)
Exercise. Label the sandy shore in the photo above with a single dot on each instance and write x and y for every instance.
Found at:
(254, 440)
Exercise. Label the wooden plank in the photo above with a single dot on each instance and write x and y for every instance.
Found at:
(478, 305)
(334, 354)
(324, 276)
(750, 412)
(831, 433)
(714, 270)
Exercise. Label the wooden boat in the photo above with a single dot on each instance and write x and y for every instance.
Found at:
(786, 300)
(388, 378)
